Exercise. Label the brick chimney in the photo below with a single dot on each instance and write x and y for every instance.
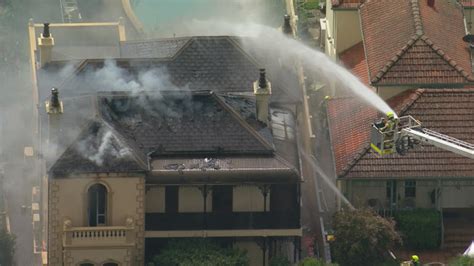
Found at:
(262, 90)
(45, 45)
(287, 29)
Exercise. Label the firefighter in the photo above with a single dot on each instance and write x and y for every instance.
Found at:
(390, 123)
(388, 130)
(415, 261)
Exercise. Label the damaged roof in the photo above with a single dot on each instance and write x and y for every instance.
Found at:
(406, 46)
(131, 132)
(195, 63)
(448, 111)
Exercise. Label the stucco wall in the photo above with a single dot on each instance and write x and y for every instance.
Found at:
(191, 200)
(68, 200)
(457, 197)
(347, 29)
(249, 198)
(388, 92)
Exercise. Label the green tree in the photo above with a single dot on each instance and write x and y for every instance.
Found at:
(7, 248)
(462, 261)
(199, 252)
(362, 238)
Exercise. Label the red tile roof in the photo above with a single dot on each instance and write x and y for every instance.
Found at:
(354, 60)
(448, 111)
(408, 47)
(467, 3)
(346, 3)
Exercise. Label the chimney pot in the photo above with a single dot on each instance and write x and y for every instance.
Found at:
(46, 33)
(54, 105)
(431, 3)
(262, 81)
(54, 102)
(287, 25)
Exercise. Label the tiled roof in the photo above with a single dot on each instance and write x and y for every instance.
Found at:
(98, 149)
(346, 3)
(408, 47)
(354, 60)
(196, 63)
(467, 3)
(183, 123)
(448, 111)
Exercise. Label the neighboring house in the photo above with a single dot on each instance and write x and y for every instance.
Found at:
(426, 177)
(342, 26)
(184, 138)
(416, 45)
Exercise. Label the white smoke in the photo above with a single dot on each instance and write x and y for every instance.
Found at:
(108, 146)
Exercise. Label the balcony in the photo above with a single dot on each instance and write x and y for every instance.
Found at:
(98, 236)
(221, 221)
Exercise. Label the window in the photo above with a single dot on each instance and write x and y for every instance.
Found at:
(171, 199)
(410, 189)
(110, 264)
(97, 207)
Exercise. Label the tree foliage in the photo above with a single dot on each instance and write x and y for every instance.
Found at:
(7, 248)
(462, 261)
(362, 238)
(199, 252)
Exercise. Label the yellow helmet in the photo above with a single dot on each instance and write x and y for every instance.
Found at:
(415, 258)
(390, 115)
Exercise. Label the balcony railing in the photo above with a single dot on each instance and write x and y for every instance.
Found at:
(222, 221)
(98, 236)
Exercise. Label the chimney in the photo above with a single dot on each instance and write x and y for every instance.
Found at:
(431, 3)
(287, 29)
(45, 44)
(54, 109)
(262, 90)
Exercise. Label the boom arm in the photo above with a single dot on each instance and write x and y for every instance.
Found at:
(408, 132)
(441, 141)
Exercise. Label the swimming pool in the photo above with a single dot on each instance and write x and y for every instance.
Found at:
(166, 18)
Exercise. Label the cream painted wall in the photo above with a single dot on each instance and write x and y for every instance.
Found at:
(460, 197)
(388, 92)
(155, 199)
(254, 252)
(122, 198)
(191, 200)
(361, 194)
(330, 48)
(347, 29)
(249, 199)
(97, 256)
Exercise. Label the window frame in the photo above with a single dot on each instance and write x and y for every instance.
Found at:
(410, 189)
(107, 205)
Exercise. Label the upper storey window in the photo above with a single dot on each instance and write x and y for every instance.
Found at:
(97, 205)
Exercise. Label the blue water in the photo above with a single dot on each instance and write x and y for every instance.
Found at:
(173, 17)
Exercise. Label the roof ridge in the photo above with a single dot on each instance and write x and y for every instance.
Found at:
(396, 58)
(446, 58)
(415, 8)
(242, 122)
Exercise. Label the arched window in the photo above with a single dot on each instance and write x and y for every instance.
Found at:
(86, 264)
(97, 205)
(110, 264)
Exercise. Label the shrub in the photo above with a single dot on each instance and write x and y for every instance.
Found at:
(362, 238)
(420, 228)
(7, 248)
(311, 4)
(309, 261)
(199, 252)
(279, 261)
(462, 261)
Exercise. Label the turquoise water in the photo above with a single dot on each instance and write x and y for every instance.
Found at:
(176, 17)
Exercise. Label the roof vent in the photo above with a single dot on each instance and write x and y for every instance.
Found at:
(431, 3)
(46, 33)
